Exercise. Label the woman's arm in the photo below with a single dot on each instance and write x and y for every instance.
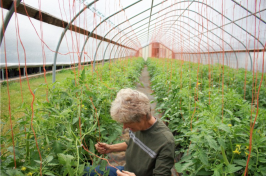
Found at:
(104, 148)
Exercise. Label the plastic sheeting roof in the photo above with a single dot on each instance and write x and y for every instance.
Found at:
(183, 26)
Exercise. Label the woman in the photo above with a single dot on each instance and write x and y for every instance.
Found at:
(150, 149)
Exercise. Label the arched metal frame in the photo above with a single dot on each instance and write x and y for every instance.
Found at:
(100, 24)
(189, 32)
(231, 21)
(170, 35)
(7, 19)
(11, 11)
(147, 45)
(123, 23)
(180, 21)
(138, 21)
(209, 30)
(215, 28)
(146, 23)
(63, 34)
(142, 19)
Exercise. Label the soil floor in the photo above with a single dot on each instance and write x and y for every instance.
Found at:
(118, 159)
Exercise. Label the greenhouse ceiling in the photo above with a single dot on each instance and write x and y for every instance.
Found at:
(104, 29)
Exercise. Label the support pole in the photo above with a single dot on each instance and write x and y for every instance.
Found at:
(7, 19)
(3, 74)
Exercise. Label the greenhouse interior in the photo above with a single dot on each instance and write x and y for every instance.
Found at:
(133, 87)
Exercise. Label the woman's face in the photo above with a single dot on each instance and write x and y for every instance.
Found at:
(135, 126)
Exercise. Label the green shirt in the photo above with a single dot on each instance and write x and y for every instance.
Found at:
(151, 152)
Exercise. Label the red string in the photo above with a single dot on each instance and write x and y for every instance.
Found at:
(43, 51)
(9, 107)
(253, 124)
(38, 33)
(33, 97)
(223, 60)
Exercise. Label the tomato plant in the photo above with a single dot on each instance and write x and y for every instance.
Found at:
(210, 121)
(76, 114)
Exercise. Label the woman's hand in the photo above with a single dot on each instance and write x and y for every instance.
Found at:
(124, 173)
(103, 148)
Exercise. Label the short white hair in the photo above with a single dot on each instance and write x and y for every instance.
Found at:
(130, 106)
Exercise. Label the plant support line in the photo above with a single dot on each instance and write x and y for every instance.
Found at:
(63, 34)
(7, 19)
(149, 21)
(100, 24)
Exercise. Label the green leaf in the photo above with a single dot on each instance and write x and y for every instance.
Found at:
(237, 119)
(221, 142)
(38, 161)
(35, 90)
(186, 165)
(14, 172)
(49, 159)
(229, 112)
(82, 76)
(64, 159)
(3, 173)
(240, 162)
(75, 120)
(216, 173)
(262, 140)
(178, 167)
(81, 169)
(203, 158)
(232, 169)
(92, 146)
(49, 173)
(112, 138)
(182, 167)
(47, 139)
(224, 127)
(212, 142)
(52, 164)
(262, 170)
(57, 147)
(103, 165)
(203, 172)
(262, 159)
(185, 158)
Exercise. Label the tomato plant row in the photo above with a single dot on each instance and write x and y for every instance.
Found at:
(77, 114)
(204, 107)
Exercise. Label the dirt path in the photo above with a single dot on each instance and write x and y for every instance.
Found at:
(145, 88)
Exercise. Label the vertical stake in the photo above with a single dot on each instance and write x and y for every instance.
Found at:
(3, 74)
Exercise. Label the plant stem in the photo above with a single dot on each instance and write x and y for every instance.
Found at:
(257, 158)
(225, 159)
(28, 147)
(77, 156)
